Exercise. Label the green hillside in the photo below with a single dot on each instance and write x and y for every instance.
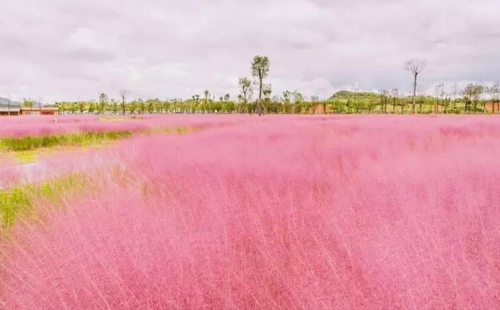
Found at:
(346, 95)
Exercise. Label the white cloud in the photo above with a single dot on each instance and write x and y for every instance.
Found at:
(172, 49)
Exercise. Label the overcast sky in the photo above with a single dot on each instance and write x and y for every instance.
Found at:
(65, 50)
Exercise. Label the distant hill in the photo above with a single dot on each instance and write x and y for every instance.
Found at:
(346, 95)
(4, 102)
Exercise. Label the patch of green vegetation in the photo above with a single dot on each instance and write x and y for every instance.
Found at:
(19, 201)
(24, 157)
(28, 149)
(168, 130)
(14, 202)
(47, 141)
(118, 118)
(346, 95)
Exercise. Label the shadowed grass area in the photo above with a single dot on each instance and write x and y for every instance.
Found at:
(19, 201)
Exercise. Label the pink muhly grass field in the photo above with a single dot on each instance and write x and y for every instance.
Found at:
(20, 126)
(279, 212)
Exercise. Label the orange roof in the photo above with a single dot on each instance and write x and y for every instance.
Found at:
(38, 109)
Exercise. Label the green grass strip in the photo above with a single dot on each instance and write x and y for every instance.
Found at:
(19, 201)
(47, 141)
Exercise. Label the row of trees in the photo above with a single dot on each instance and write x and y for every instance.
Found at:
(474, 98)
(293, 102)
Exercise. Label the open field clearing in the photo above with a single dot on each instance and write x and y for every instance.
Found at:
(240, 212)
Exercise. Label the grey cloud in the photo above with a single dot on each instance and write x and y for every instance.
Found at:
(60, 50)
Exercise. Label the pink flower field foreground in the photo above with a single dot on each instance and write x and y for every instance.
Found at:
(278, 212)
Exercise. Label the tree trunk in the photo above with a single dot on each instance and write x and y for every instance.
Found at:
(414, 93)
(259, 103)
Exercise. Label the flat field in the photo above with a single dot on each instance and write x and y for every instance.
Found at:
(242, 212)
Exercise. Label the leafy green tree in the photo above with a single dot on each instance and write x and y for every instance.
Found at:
(446, 103)
(324, 104)
(166, 106)
(81, 106)
(337, 106)
(394, 95)
(472, 95)
(286, 101)
(494, 92)
(141, 106)
(132, 106)
(196, 101)
(371, 105)
(439, 92)
(103, 101)
(114, 106)
(245, 90)
(91, 107)
(27, 103)
(207, 96)
(421, 102)
(260, 70)
(384, 98)
(455, 95)
(151, 104)
(267, 91)
(298, 99)
(73, 107)
(158, 106)
(61, 106)
(123, 95)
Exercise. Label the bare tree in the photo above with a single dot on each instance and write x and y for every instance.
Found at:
(415, 67)
(123, 95)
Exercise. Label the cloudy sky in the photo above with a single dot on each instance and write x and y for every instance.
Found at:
(65, 50)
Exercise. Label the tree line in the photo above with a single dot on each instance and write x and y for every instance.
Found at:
(474, 98)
